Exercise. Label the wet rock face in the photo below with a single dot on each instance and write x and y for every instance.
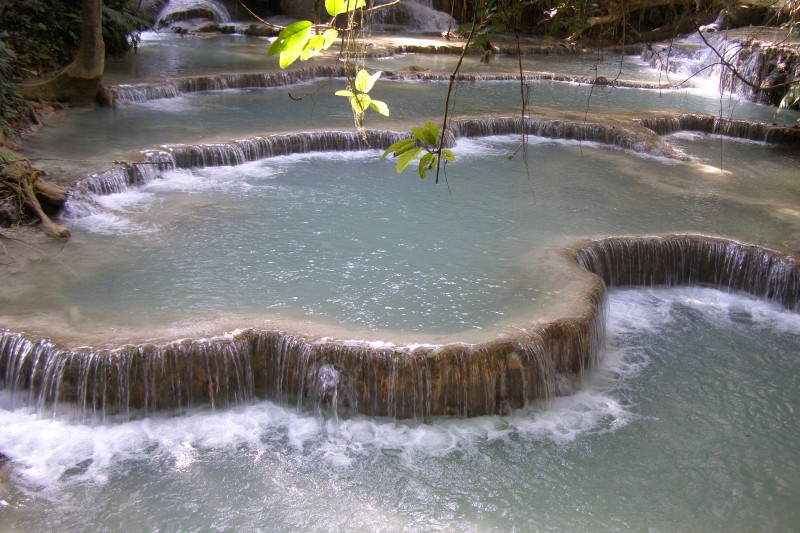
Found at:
(768, 66)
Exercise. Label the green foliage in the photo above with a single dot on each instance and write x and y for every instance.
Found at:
(339, 7)
(298, 41)
(424, 139)
(11, 103)
(358, 95)
(121, 28)
(45, 34)
(790, 100)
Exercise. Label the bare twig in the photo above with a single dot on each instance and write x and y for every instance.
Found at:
(732, 68)
(440, 148)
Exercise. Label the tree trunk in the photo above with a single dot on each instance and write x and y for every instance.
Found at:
(91, 58)
(80, 82)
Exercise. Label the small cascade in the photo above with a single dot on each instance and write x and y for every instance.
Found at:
(637, 139)
(144, 92)
(173, 88)
(242, 151)
(456, 379)
(123, 176)
(759, 63)
(176, 10)
(529, 76)
(695, 260)
(141, 378)
(740, 129)
(126, 175)
(249, 80)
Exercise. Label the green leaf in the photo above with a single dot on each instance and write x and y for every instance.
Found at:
(433, 130)
(448, 155)
(380, 106)
(329, 37)
(337, 7)
(406, 158)
(344, 92)
(290, 42)
(426, 162)
(360, 103)
(365, 81)
(312, 47)
(400, 146)
(424, 135)
(317, 43)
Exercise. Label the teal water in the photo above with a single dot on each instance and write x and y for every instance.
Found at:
(688, 424)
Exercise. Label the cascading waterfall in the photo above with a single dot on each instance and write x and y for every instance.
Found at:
(119, 178)
(401, 382)
(394, 381)
(757, 64)
(173, 88)
(740, 129)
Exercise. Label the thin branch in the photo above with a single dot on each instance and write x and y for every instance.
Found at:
(262, 21)
(440, 148)
(732, 68)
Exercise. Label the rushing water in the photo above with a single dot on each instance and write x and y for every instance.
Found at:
(687, 425)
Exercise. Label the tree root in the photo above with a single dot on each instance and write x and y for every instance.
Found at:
(23, 184)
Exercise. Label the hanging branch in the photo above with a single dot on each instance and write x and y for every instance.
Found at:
(440, 147)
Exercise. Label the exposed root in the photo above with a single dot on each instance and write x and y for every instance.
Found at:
(23, 190)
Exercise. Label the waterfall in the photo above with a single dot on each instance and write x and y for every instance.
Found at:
(414, 15)
(634, 138)
(172, 88)
(758, 63)
(176, 10)
(741, 129)
(695, 260)
(457, 379)
(401, 382)
(644, 138)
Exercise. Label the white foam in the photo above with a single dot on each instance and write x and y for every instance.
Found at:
(201, 180)
(129, 200)
(176, 104)
(47, 453)
(108, 223)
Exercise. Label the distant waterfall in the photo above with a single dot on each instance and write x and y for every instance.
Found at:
(176, 10)
(414, 15)
(696, 58)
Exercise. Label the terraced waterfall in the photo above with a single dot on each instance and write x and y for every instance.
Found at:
(255, 311)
